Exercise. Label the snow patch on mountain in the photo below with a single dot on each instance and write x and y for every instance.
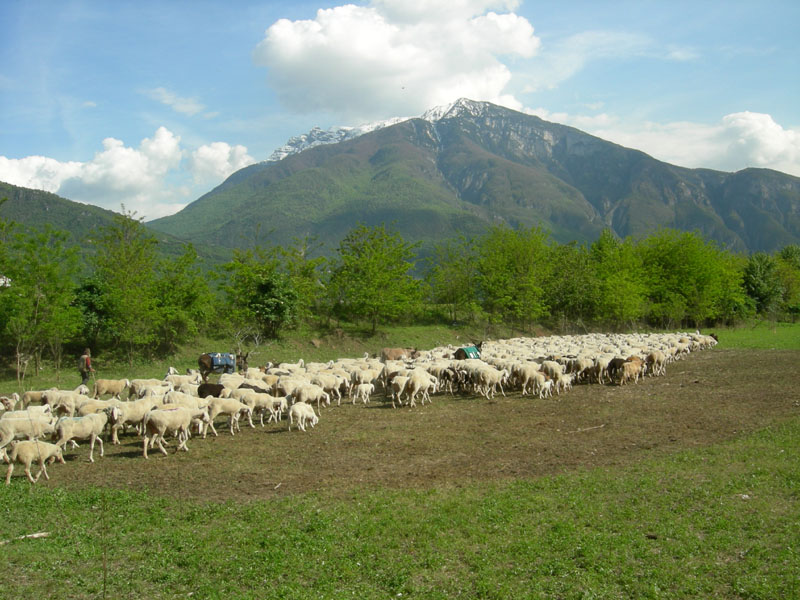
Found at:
(317, 136)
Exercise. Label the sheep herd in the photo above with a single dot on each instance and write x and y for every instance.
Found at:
(184, 405)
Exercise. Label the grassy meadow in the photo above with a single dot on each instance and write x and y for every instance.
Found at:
(718, 521)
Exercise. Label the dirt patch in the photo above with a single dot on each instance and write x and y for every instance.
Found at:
(708, 397)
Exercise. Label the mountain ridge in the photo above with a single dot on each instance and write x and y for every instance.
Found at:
(466, 166)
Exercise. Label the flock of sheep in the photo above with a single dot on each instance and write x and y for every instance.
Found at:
(184, 405)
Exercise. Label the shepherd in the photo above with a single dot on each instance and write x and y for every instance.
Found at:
(85, 366)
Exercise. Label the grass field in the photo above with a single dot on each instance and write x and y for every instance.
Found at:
(686, 486)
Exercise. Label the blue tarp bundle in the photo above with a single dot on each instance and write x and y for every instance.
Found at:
(221, 360)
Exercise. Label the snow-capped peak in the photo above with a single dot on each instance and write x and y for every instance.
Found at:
(318, 137)
(334, 135)
(459, 108)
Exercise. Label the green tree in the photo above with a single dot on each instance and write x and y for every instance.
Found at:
(37, 307)
(620, 288)
(371, 276)
(183, 298)
(304, 273)
(686, 278)
(124, 268)
(761, 282)
(787, 269)
(573, 289)
(513, 267)
(452, 277)
(260, 300)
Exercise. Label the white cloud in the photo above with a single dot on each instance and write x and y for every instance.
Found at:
(214, 162)
(186, 106)
(738, 141)
(395, 58)
(150, 180)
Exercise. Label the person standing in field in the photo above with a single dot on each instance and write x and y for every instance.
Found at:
(85, 366)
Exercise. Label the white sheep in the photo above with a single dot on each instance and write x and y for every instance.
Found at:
(32, 396)
(263, 403)
(25, 428)
(226, 406)
(418, 381)
(115, 387)
(89, 427)
(178, 380)
(9, 402)
(39, 411)
(304, 415)
(330, 383)
(157, 423)
(64, 402)
(26, 452)
(309, 393)
(130, 413)
(135, 390)
(363, 391)
(397, 385)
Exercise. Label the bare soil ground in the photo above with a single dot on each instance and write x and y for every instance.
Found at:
(708, 397)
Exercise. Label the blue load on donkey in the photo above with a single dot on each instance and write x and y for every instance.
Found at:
(222, 362)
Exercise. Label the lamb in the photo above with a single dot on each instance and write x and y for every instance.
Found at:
(115, 387)
(160, 421)
(89, 427)
(304, 415)
(226, 406)
(363, 392)
(33, 450)
(364, 376)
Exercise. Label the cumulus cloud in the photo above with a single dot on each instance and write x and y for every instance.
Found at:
(149, 180)
(393, 57)
(738, 141)
(186, 106)
(218, 160)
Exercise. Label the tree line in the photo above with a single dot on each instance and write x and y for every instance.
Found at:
(132, 302)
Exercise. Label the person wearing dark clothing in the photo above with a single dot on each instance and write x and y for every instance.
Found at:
(85, 366)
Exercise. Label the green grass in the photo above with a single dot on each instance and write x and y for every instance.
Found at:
(761, 335)
(720, 522)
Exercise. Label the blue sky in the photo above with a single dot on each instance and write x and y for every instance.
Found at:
(150, 104)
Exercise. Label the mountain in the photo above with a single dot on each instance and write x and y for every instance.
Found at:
(33, 209)
(460, 168)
